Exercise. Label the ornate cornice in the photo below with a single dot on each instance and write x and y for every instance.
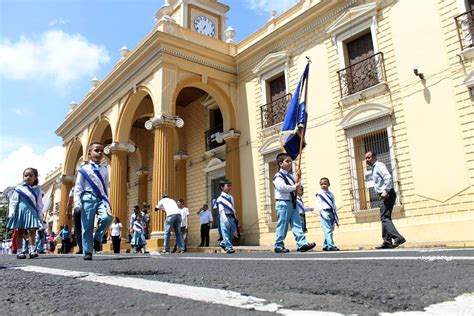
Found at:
(294, 36)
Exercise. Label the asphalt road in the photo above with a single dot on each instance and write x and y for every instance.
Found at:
(359, 282)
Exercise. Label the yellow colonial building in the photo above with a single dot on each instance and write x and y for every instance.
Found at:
(189, 106)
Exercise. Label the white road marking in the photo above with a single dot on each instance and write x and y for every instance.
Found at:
(462, 305)
(418, 258)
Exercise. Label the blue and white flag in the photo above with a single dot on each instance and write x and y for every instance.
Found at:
(296, 118)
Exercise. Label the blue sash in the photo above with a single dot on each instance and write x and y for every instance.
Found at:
(27, 198)
(226, 203)
(331, 204)
(91, 182)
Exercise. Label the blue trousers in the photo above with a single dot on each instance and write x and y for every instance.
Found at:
(287, 214)
(327, 224)
(40, 239)
(175, 222)
(227, 231)
(92, 205)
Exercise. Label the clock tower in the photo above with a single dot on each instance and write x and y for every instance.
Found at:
(207, 17)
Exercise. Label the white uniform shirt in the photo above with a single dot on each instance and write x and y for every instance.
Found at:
(205, 217)
(381, 177)
(116, 229)
(222, 209)
(184, 217)
(15, 199)
(82, 185)
(325, 203)
(169, 205)
(283, 190)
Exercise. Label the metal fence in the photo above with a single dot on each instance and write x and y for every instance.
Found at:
(465, 28)
(274, 112)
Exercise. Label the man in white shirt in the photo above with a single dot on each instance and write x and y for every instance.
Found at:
(173, 219)
(205, 219)
(383, 185)
(184, 224)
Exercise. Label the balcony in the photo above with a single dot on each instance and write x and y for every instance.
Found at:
(274, 112)
(465, 28)
(211, 137)
(367, 73)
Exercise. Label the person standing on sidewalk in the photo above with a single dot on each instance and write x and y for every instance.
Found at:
(116, 234)
(184, 224)
(383, 185)
(173, 219)
(205, 218)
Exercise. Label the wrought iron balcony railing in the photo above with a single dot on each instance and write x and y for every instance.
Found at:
(274, 112)
(362, 75)
(366, 199)
(465, 28)
(211, 137)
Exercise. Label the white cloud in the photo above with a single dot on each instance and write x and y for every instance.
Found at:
(59, 21)
(265, 7)
(55, 55)
(12, 167)
(21, 111)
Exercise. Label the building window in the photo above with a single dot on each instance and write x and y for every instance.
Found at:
(274, 111)
(272, 73)
(271, 168)
(375, 137)
(216, 126)
(361, 63)
(465, 24)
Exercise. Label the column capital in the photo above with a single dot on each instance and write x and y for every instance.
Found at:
(142, 172)
(232, 133)
(115, 146)
(164, 119)
(180, 156)
(66, 178)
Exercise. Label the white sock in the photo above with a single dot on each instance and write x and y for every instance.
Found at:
(32, 249)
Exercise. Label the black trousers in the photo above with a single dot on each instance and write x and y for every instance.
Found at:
(78, 230)
(205, 228)
(116, 243)
(389, 231)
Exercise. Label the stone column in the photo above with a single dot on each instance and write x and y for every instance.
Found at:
(142, 187)
(67, 182)
(232, 169)
(180, 174)
(118, 181)
(163, 174)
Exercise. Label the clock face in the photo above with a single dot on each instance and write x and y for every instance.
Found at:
(204, 26)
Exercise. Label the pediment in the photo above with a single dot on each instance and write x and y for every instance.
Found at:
(214, 164)
(270, 145)
(270, 62)
(352, 17)
(365, 113)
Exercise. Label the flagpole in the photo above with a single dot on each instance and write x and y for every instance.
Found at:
(304, 127)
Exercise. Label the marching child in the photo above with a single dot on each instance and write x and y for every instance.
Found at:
(91, 197)
(138, 239)
(325, 202)
(225, 204)
(26, 212)
(285, 186)
(301, 208)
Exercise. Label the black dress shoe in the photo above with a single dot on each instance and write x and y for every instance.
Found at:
(307, 247)
(21, 256)
(384, 246)
(88, 256)
(33, 255)
(281, 250)
(230, 250)
(326, 249)
(335, 249)
(399, 242)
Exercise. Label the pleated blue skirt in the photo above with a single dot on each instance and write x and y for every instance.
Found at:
(138, 239)
(25, 217)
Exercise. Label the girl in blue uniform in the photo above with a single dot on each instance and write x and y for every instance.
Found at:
(26, 211)
(138, 239)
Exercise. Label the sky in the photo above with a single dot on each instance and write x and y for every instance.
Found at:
(51, 49)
